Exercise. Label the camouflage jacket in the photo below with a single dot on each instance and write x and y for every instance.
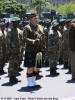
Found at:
(14, 40)
(66, 37)
(54, 39)
(3, 41)
(46, 30)
(31, 33)
(72, 37)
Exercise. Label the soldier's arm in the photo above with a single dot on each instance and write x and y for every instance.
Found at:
(51, 42)
(43, 42)
(8, 39)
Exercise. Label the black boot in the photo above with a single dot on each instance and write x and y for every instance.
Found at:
(38, 76)
(60, 61)
(20, 69)
(46, 63)
(66, 65)
(2, 71)
(13, 80)
(53, 72)
(69, 69)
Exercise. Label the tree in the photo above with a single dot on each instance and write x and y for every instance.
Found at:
(38, 4)
(1, 6)
(12, 6)
(66, 9)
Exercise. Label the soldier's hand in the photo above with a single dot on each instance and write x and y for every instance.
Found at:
(36, 41)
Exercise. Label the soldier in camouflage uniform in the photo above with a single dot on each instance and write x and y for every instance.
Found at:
(34, 39)
(72, 48)
(46, 30)
(13, 43)
(66, 52)
(3, 36)
(53, 47)
(61, 29)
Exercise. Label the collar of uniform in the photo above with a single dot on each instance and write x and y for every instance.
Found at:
(34, 27)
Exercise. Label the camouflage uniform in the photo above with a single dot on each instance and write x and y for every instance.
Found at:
(14, 47)
(46, 30)
(22, 48)
(31, 33)
(53, 49)
(72, 48)
(2, 50)
(66, 47)
(61, 49)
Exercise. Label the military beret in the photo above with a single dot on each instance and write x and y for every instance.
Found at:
(15, 19)
(33, 15)
(68, 20)
(73, 20)
(62, 20)
(2, 23)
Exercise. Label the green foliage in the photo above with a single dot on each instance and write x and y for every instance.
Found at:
(66, 9)
(50, 6)
(12, 6)
(38, 5)
(1, 5)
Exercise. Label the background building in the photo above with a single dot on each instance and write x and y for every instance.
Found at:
(61, 2)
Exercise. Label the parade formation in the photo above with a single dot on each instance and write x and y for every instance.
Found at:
(40, 43)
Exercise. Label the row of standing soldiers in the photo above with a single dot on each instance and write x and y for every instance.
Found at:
(57, 46)
(11, 48)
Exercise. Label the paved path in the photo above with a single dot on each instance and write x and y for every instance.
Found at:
(52, 88)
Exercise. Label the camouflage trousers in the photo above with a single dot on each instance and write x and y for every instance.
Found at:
(65, 52)
(73, 64)
(69, 59)
(2, 60)
(53, 58)
(14, 64)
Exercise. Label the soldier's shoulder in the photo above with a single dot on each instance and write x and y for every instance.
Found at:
(5, 33)
(10, 32)
(9, 29)
(51, 31)
(45, 29)
(73, 25)
(27, 27)
(59, 34)
(40, 26)
(1, 33)
(65, 28)
(19, 30)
